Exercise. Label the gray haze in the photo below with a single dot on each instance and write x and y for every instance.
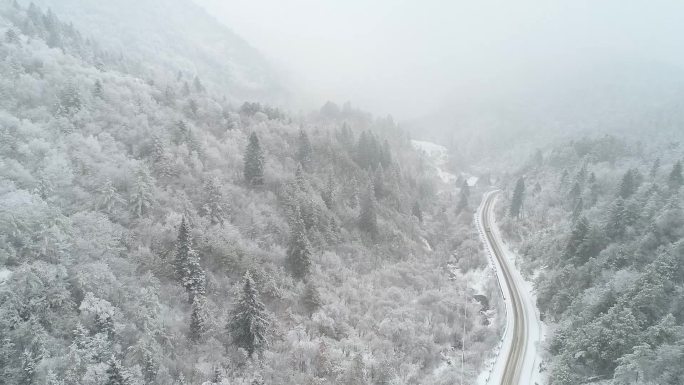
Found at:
(410, 57)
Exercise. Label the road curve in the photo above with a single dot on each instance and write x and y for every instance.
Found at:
(516, 362)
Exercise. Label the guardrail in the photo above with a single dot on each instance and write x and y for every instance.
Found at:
(481, 230)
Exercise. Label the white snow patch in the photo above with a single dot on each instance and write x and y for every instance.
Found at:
(439, 156)
(4, 274)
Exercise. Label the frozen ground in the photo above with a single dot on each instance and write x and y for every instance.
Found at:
(439, 156)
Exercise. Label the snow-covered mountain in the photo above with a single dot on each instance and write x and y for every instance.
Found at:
(174, 35)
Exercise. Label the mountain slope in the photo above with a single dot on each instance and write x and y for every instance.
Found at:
(132, 236)
(175, 35)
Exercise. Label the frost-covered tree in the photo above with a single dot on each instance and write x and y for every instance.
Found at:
(213, 201)
(98, 89)
(198, 323)
(254, 162)
(187, 265)
(141, 198)
(115, 373)
(627, 185)
(379, 182)
(311, 298)
(518, 198)
(368, 220)
(463, 197)
(329, 193)
(304, 149)
(417, 212)
(249, 323)
(299, 250)
(617, 219)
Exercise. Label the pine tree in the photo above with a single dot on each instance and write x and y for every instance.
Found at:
(676, 180)
(463, 197)
(328, 194)
(577, 209)
(655, 168)
(379, 182)
(217, 377)
(150, 367)
(627, 185)
(304, 150)
(617, 216)
(356, 372)
(187, 266)
(28, 368)
(115, 373)
(98, 90)
(518, 198)
(417, 212)
(214, 201)
(311, 298)
(249, 323)
(386, 154)
(575, 193)
(198, 322)
(368, 221)
(300, 178)
(254, 162)
(299, 250)
(141, 198)
(578, 235)
(197, 84)
(11, 36)
(109, 197)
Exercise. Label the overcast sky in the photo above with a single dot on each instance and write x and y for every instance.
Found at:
(408, 57)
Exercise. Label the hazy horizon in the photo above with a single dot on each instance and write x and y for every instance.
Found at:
(409, 59)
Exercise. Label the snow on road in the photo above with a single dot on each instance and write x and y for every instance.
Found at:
(494, 371)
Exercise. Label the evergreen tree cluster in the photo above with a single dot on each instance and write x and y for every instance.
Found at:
(616, 247)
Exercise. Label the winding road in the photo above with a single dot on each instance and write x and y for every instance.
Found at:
(517, 360)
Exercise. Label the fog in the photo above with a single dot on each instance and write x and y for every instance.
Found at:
(409, 58)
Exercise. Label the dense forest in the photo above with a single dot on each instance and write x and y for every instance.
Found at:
(153, 232)
(599, 226)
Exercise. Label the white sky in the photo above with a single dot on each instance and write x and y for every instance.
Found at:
(408, 57)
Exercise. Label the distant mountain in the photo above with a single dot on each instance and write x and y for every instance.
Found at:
(175, 35)
(639, 99)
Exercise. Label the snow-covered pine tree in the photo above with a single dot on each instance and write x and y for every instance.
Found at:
(368, 220)
(379, 182)
(615, 227)
(417, 212)
(328, 194)
(141, 199)
(249, 322)
(627, 185)
(213, 205)
(311, 298)
(254, 162)
(304, 149)
(518, 198)
(198, 322)
(299, 249)
(463, 197)
(115, 373)
(188, 269)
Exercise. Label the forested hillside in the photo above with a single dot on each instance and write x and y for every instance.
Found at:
(151, 232)
(600, 227)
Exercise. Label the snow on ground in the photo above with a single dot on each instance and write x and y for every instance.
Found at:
(439, 155)
(535, 328)
(4, 275)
